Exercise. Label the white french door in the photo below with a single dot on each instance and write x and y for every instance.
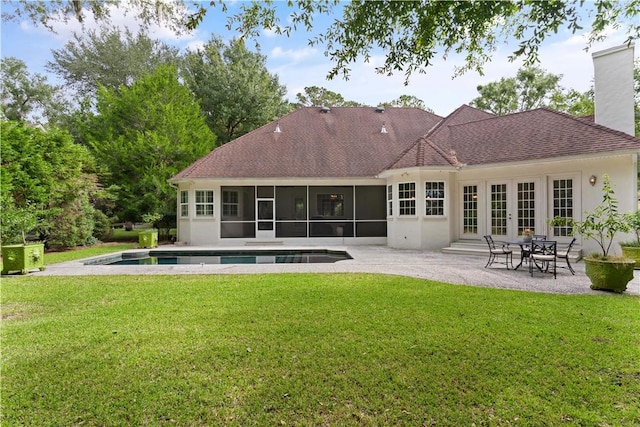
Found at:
(512, 206)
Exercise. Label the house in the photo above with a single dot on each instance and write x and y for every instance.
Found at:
(407, 178)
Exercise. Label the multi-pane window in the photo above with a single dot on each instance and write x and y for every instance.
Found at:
(434, 198)
(526, 206)
(563, 204)
(407, 198)
(470, 209)
(230, 203)
(390, 200)
(184, 203)
(204, 202)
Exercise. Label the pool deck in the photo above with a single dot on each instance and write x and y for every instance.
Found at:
(457, 269)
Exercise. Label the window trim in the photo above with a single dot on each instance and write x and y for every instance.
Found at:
(411, 200)
(389, 200)
(184, 204)
(205, 204)
(443, 198)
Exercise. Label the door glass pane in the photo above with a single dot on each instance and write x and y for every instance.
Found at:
(526, 207)
(470, 209)
(499, 209)
(563, 204)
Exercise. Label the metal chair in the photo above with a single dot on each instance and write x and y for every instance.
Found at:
(564, 254)
(543, 256)
(495, 251)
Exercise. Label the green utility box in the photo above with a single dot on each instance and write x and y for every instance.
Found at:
(22, 258)
(148, 239)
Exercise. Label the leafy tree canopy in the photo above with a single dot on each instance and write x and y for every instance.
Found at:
(531, 88)
(143, 135)
(46, 173)
(236, 91)
(408, 101)
(315, 96)
(26, 96)
(412, 33)
(108, 58)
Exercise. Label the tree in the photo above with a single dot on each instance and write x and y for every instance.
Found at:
(412, 33)
(46, 173)
(408, 101)
(143, 135)
(236, 91)
(27, 96)
(108, 58)
(531, 88)
(315, 96)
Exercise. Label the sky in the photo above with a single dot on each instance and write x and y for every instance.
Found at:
(298, 65)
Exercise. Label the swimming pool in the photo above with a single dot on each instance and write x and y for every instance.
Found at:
(279, 256)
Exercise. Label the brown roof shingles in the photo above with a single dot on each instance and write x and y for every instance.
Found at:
(348, 142)
(534, 135)
(344, 142)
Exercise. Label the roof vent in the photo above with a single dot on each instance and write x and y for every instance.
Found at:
(325, 109)
(384, 129)
(380, 109)
(277, 128)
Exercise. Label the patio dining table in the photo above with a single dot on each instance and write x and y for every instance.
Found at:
(525, 250)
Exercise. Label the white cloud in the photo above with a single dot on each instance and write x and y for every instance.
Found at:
(292, 54)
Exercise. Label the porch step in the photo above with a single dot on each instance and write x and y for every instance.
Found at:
(475, 247)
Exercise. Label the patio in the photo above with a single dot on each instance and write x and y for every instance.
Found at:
(432, 265)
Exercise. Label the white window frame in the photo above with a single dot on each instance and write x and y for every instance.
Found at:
(184, 203)
(429, 197)
(205, 207)
(407, 199)
(390, 200)
(235, 204)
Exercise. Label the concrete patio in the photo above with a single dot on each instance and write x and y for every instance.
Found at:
(455, 269)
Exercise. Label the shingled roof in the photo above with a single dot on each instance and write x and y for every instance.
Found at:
(313, 142)
(363, 142)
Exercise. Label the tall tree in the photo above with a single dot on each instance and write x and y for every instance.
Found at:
(27, 96)
(46, 172)
(236, 91)
(531, 88)
(315, 96)
(413, 33)
(145, 134)
(109, 58)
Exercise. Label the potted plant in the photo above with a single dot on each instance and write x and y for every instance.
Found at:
(149, 238)
(631, 248)
(18, 254)
(606, 272)
(527, 235)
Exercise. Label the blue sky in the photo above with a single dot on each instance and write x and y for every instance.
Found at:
(299, 65)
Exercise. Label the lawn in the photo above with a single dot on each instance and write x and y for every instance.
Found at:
(313, 349)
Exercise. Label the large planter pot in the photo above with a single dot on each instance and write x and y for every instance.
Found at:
(148, 239)
(609, 275)
(632, 252)
(22, 258)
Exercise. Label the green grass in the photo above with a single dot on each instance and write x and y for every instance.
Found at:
(91, 251)
(313, 349)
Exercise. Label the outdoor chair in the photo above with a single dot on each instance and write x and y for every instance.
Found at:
(543, 256)
(564, 254)
(539, 237)
(496, 251)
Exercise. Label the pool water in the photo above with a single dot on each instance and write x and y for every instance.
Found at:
(160, 257)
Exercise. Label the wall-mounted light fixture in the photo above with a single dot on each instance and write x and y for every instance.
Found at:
(592, 180)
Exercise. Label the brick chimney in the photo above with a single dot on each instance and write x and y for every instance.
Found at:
(613, 85)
